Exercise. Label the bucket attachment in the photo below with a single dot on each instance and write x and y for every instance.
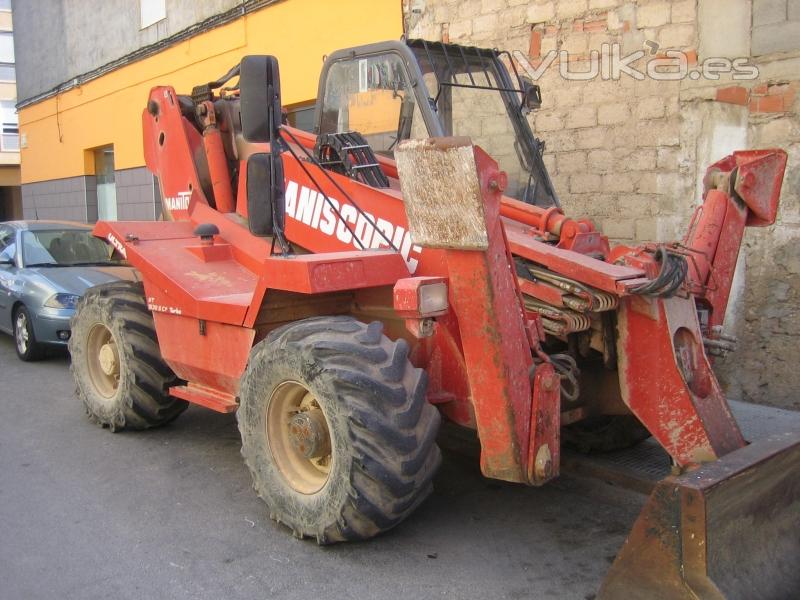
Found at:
(729, 529)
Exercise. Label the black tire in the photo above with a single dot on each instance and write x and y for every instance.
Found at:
(28, 349)
(605, 434)
(139, 398)
(383, 452)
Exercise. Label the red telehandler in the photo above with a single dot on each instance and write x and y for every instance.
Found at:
(344, 292)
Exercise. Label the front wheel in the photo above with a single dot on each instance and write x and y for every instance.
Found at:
(28, 349)
(118, 370)
(336, 430)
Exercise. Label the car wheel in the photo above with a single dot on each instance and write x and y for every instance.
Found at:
(28, 349)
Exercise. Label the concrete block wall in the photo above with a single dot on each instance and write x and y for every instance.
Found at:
(75, 198)
(631, 154)
(775, 25)
(58, 199)
(138, 197)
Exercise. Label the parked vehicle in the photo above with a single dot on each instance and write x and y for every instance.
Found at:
(342, 302)
(45, 267)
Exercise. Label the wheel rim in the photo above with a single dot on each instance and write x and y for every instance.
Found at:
(21, 332)
(299, 438)
(102, 359)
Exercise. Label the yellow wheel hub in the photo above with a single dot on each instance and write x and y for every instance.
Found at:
(299, 439)
(109, 359)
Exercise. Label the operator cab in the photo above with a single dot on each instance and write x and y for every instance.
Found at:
(393, 91)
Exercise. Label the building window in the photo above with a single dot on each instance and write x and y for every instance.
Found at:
(152, 11)
(5, 5)
(7, 73)
(106, 187)
(9, 138)
(6, 47)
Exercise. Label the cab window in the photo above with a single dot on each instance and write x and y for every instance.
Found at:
(372, 95)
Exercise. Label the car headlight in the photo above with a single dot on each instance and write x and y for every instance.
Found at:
(62, 301)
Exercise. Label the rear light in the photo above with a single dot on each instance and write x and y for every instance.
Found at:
(421, 297)
(433, 298)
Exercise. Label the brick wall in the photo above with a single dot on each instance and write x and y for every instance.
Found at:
(631, 154)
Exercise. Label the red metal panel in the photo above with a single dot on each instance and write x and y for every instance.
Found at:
(205, 396)
(170, 145)
(667, 382)
(718, 287)
(496, 349)
(218, 168)
(580, 267)
(179, 281)
(704, 235)
(204, 352)
(758, 181)
(334, 271)
(544, 451)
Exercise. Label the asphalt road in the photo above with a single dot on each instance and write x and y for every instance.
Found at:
(170, 513)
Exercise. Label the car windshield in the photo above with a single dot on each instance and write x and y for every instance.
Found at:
(64, 248)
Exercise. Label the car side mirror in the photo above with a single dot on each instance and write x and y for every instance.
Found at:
(531, 95)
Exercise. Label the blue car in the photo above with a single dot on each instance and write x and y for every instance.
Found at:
(45, 267)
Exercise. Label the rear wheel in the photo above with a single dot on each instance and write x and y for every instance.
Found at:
(336, 430)
(28, 349)
(118, 370)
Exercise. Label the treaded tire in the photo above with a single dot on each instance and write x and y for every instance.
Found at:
(140, 400)
(382, 429)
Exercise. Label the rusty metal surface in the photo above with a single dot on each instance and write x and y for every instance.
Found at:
(758, 179)
(580, 267)
(667, 382)
(544, 450)
(728, 529)
(484, 300)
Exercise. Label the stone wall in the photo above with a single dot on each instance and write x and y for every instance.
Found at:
(631, 154)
